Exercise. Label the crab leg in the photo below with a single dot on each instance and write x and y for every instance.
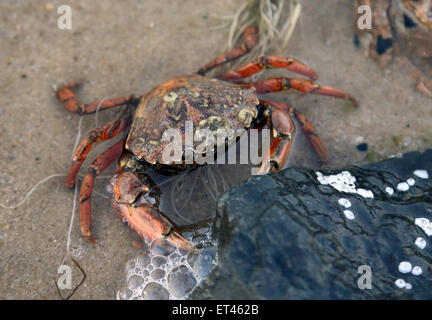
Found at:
(265, 62)
(280, 146)
(142, 215)
(71, 103)
(302, 85)
(98, 165)
(250, 39)
(306, 126)
(108, 131)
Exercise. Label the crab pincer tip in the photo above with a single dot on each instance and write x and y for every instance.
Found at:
(177, 240)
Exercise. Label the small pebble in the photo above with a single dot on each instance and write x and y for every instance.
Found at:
(408, 286)
(405, 267)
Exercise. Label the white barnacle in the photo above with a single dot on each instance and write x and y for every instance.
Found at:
(402, 186)
(425, 225)
(170, 97)
(365, 193)
(417, 270)
(400, 283)
(411, 181)
(344, 182)
(349, 214)
(405, 267)
(344, 202)
(422, 174)
(420, 242)
(389, 190)
(246, 115)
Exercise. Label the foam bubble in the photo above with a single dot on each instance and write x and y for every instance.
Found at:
(154, 291)
(181, 281)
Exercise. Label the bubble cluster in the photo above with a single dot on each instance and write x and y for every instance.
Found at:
(168, 273)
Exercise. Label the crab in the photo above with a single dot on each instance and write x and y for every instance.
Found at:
(224, 101)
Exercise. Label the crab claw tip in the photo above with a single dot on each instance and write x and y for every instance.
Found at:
(177, 240)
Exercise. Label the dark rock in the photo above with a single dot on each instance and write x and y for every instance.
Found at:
(285, 236)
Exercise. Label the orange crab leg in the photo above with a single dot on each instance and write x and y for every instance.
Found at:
(280, 146)
(98, 165)
(306, 126)
(250, 39)
(142, 216)
(71, 103)
(313, 138)
(108, 131)
(302, 85)
(265, 62)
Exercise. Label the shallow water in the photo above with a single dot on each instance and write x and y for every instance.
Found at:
(119, 48)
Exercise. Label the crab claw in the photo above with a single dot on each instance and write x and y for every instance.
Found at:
(150, 224)
(134, 202)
